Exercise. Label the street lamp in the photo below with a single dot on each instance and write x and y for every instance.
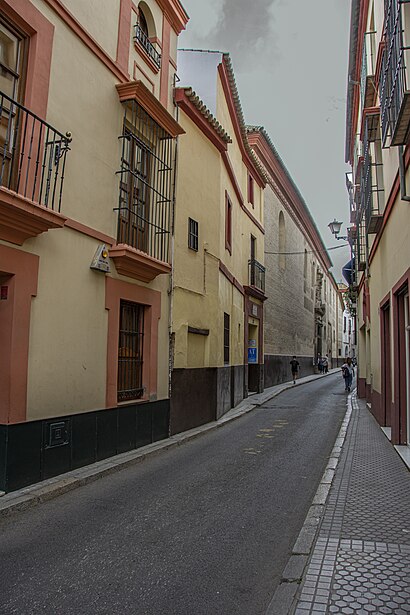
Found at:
(335, 227)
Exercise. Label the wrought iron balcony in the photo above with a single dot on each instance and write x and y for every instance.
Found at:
(256, 274)
(141, 38)
(394, 87)
(372, 193)
(32, 155)
(367, 78)
(361, 244)
(146, 180)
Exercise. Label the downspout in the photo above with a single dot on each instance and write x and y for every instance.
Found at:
(402, 172)
(171, 278)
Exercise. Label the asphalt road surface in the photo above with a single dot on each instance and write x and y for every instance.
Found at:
(203, 529)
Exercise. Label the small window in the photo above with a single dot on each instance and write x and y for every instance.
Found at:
(344, 324)
(251, 198)
(228, 224)
(282, 241)
(12, 62)
(193, 234)
(226, 337)
(130, 351)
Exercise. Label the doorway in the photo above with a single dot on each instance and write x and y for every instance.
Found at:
(253, 358)
(386, 367)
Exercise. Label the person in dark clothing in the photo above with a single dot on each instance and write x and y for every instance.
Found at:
(348, 373)
(294, 364)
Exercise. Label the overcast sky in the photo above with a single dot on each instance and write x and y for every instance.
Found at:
(290, 60)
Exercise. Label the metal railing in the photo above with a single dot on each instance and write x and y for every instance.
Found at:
(393, 83)
(146, 184)
(372, 193)
(141, 38)
(32, 155)
(361, 243)
(256, 274)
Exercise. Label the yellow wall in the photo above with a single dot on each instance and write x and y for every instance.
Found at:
(201, 292)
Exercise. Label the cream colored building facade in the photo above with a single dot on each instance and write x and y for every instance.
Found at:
(218, 276)
(87, 150)
(377, 137)
(303, 311)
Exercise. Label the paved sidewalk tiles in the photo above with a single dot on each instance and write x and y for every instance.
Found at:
(360, 561)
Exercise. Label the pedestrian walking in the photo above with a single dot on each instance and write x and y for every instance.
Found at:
(294, 364)
(320, 365)
(348, 373)
(325, 363)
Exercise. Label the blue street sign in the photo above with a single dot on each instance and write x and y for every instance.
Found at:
(252, 355)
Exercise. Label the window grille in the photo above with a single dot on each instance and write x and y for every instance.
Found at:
(130, 351)
(393, 87)
(361, 243)
(146, 184)
(228, 224)
(251, 196)
(193, 234)
(372, 192)
(226, 338)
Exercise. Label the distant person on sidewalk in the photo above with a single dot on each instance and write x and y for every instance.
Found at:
(348, 373)
(320, 364)
(325, 363)
(294, 364)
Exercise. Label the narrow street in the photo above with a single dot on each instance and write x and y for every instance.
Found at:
(205, 528)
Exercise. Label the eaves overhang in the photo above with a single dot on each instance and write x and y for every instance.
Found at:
(229, 86)
(187, 99)
(357, 25)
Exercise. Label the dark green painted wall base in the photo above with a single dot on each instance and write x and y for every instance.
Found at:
(37, 450)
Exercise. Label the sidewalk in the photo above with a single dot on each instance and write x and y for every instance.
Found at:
(32, 495)
(360, 559)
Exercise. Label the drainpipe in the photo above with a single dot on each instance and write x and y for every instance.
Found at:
(171, 279)
(403, 189)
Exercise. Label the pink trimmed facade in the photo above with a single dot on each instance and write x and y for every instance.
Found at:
(56, 294)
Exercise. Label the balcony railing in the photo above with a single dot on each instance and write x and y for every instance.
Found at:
(141, 38)
(367, 81)
(361, 244)
(372, 193)
(256, 274)
(32, 155)
(394, 93)
(146, 184)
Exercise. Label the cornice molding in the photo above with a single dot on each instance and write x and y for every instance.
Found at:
(68, 18)
(252, 291)
(239, 196)
(136, 90)
(175, 13)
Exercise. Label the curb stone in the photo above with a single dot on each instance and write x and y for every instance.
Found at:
(28, 497)
(284, 598)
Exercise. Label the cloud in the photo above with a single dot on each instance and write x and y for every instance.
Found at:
(245, 30)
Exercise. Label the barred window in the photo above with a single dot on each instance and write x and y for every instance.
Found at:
(228, 224)
(130, 351)
(193, 234)
(226, 338)
(146, 179)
